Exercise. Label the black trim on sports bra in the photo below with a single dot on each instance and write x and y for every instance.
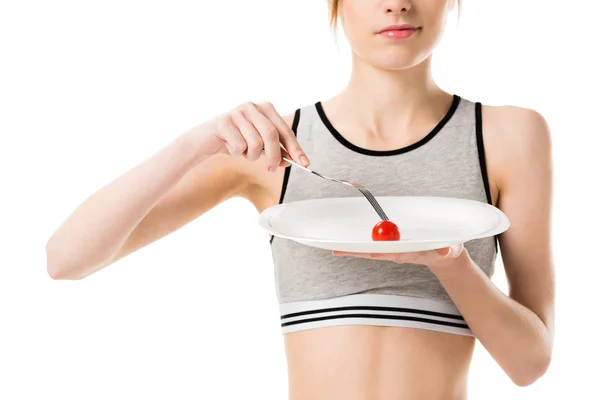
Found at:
(481, 151)
(377, 316)
(373, 308)
(286, 174)
(368, 152)
(482, 162)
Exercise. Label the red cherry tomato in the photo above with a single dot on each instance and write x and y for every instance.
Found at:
(385, 230)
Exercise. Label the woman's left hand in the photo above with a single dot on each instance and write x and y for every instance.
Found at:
(439, 258)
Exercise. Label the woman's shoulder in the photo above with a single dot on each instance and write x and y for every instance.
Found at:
(518, 128)
(517, 142)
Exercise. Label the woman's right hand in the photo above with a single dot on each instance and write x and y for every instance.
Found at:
(249, 130)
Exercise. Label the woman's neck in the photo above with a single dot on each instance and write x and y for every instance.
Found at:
(384, 103)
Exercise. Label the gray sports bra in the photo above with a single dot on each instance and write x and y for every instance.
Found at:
(316, 289)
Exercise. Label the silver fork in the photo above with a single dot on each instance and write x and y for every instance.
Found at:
(355, 185)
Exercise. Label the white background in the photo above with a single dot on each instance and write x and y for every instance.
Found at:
(88, 89)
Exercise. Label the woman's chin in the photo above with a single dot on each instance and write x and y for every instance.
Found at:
(396, 63)
(395, 60)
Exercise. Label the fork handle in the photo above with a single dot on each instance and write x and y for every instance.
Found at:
(296, 164)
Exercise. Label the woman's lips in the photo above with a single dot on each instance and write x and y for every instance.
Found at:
(399, 31)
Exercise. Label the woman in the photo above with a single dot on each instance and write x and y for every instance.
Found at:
(363, 326)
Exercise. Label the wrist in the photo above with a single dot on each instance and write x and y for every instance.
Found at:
(194, 141)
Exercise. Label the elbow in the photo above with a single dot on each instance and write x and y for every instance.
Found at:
(52, 264)
(56, 267)
(57, 273)
(528, 373)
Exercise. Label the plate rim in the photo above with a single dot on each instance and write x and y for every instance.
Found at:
(500, 227)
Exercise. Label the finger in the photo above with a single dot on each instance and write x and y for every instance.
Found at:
(286, 135)
(350, 254)
(386, 256)
(455, 251)
(451, 252)
(380, 256)
(443, 251)
(253, 140)
(283, 163)
(230, 134)
(268, 133)
(285, 154)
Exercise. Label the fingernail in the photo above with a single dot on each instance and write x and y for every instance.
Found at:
(304, 160)
(454, 251)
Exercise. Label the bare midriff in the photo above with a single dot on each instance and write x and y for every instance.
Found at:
(358, 362)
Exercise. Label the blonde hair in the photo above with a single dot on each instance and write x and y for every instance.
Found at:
(333, 13)
(334, 10)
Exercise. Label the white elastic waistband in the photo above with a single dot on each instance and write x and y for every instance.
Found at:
(373, 309)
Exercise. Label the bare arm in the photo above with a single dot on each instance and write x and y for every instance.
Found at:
(200, 169)
(517, 330)
(96, 231)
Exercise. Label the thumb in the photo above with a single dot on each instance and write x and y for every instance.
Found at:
(451, 252)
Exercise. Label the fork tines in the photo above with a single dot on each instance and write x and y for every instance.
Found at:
(373, 202)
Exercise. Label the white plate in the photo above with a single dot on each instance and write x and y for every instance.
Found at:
(345, 223)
